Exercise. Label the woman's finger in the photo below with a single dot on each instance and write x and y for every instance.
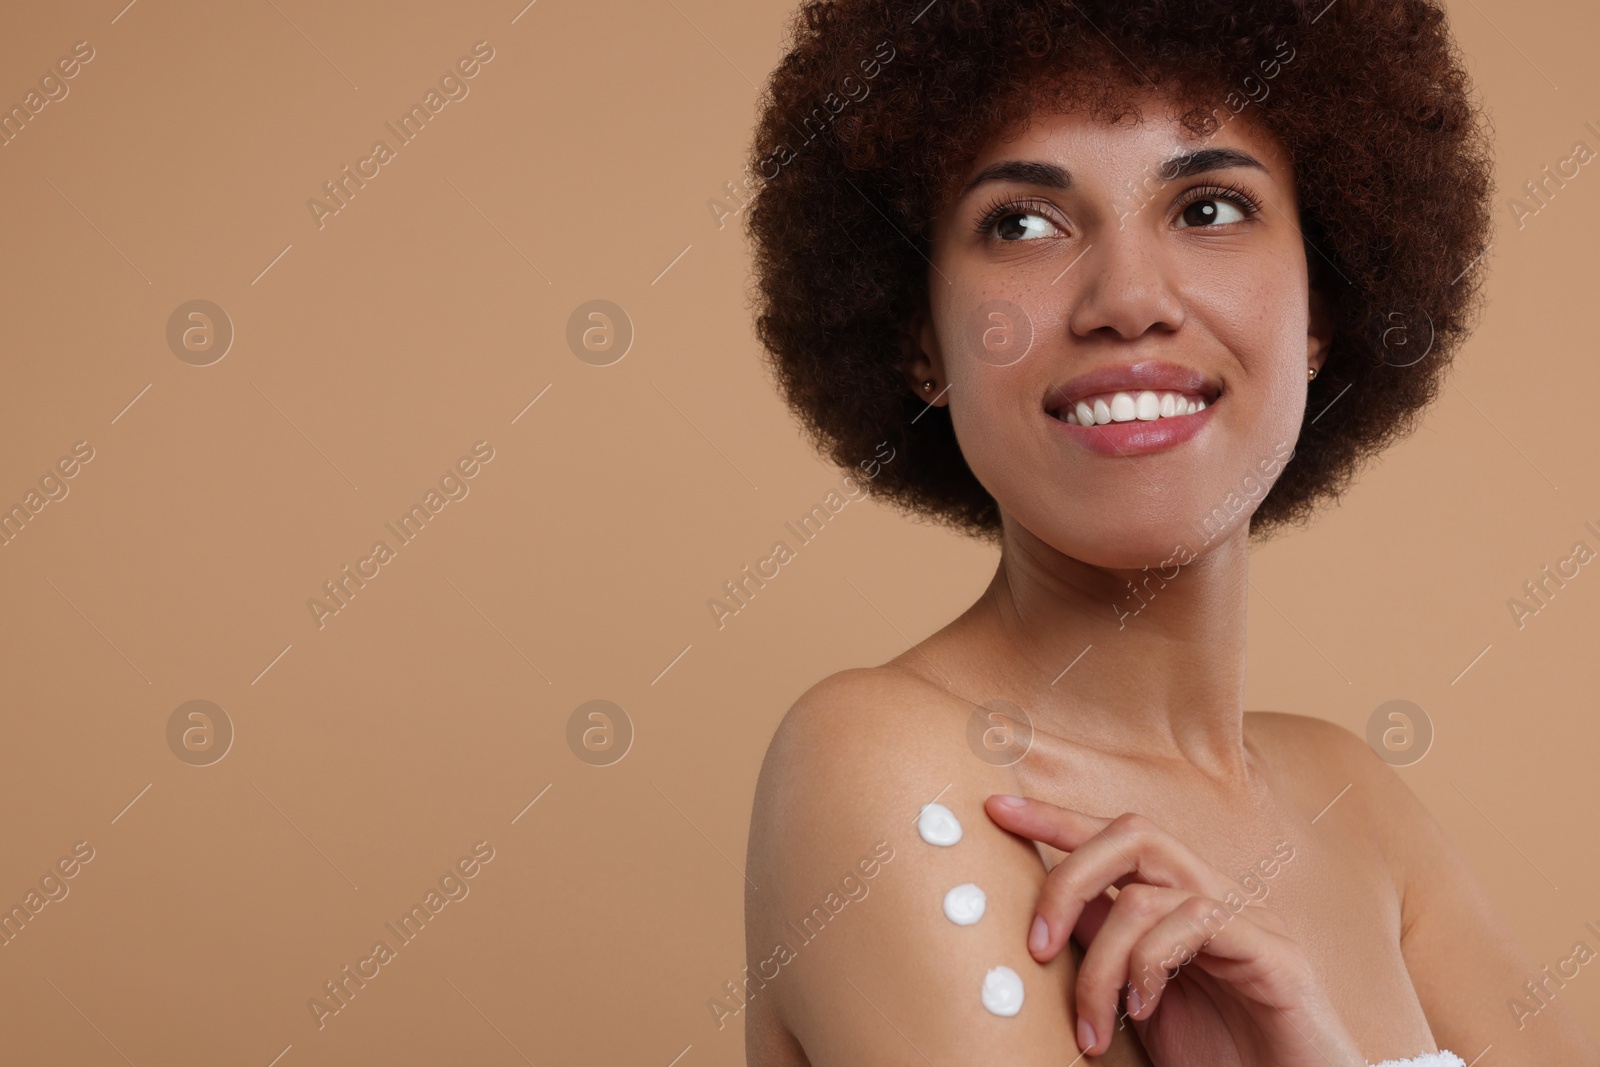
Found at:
(1157, 856)
(1094, 916)
(1107, 962)
(1261, 964)
(1103, 852)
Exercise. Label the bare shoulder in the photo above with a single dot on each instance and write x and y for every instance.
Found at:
(1313, 756)
(845, 921)
(881, 718)
(1461, 982)
(1324, 762)
(864, 746)
(1307, 749)
(1306, 742)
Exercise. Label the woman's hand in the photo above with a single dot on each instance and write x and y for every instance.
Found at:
(1212, 979)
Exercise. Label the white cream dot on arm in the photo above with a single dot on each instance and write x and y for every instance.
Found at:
(938, 825)
(964, 904)
(1002, 991)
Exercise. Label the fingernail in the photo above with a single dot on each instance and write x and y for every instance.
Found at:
(1039, 935)
(1010, 801)
(1085, 1034)
(1135, 1002)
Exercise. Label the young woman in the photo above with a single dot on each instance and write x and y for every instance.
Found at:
(1118, 284)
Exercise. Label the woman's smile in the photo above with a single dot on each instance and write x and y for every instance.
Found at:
(1131, 434)
(1132, 408)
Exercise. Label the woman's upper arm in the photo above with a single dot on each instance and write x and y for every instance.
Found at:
(847, 926)
(1464, 960)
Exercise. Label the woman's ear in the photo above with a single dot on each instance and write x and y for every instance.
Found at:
(1319, 329)
(920, 359)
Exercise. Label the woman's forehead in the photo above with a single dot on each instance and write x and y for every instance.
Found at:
(1158, 136)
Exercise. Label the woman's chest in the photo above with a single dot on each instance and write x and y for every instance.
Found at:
(1341, 906)
(1322, 873)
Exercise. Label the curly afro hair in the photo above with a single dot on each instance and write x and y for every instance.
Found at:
(879, 105)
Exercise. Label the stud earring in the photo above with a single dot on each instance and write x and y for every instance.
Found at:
(1311, 374)
(927, 386)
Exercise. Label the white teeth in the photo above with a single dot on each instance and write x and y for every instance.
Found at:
(1147, 405)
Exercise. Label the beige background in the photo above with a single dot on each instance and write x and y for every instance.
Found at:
(427, 714)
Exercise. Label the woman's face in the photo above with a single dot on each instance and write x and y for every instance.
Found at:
(1078, 262)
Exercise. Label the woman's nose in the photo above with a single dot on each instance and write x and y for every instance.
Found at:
(1124, 287)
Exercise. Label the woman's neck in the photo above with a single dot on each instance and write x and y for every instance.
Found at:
(1149, 664)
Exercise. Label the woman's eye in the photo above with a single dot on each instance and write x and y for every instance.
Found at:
(1023, 226)
(1211, 212)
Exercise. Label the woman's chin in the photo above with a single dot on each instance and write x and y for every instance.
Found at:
(1139, 541)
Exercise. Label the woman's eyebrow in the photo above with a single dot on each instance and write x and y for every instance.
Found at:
(1053, 176)
(1025, 172)
(1207, 159)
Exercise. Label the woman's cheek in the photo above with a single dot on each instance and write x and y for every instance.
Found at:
(990, 358)
(1274, 426)
(985, 418)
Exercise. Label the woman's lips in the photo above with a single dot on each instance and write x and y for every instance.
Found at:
(1135, 436)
